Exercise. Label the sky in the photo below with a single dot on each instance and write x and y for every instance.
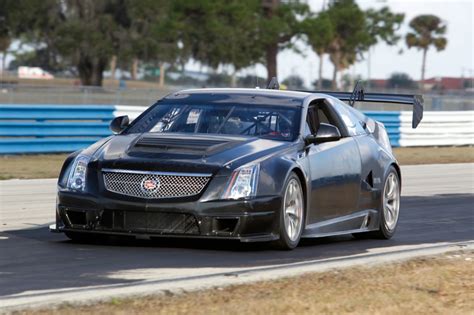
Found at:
(456, 60)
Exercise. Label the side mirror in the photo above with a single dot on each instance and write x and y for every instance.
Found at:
(118, 124)
(325, 133)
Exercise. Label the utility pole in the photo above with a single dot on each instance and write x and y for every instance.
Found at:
(369, 75)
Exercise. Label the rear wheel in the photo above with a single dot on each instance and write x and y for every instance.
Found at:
(390, 208)
(292, 214)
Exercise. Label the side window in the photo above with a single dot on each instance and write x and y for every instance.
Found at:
(323, 118)
(307, 130)
(312, 123)
(318, 113)
(351, 121)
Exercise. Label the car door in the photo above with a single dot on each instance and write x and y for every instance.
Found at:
(335, 168)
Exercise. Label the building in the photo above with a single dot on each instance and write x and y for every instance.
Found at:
(448, 83)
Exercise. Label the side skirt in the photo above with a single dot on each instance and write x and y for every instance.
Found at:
(361, 221)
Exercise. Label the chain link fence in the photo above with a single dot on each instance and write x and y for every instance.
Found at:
(35, 94)
(24, 94)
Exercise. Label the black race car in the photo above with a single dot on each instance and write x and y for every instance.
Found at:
(246, 164)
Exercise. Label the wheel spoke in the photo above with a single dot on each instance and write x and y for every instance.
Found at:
(388, 216)
(391, 202)
(390, 186)
(293, 210)
(390, 210)
(288, 226)
(394, 188)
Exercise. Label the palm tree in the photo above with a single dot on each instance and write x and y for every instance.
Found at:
(351, 36)
(427, 30)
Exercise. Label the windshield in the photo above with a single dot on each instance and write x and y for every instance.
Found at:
(272, 122)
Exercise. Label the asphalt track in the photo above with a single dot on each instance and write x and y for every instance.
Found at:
(40, 268)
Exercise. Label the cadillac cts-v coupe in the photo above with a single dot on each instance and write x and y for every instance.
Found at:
(245, 164)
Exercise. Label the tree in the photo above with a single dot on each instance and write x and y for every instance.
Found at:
(5, 41)
(79, 32)
(151, 34)
(36, 23)
(8, 9)
(427, 31)
(252, 81)
(345, 32)
(280, 22)
(382, 26)
(351, 35)
(326, 84)
(89, 35)
(222, 33)
(401, 80)
(294, 82)
(320, 33)
(240, 33)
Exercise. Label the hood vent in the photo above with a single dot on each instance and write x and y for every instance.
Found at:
(155, 144)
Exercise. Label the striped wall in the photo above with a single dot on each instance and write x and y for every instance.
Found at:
(66, 128)
(438, 128)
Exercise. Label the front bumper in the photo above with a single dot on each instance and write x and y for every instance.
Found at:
(245, 220)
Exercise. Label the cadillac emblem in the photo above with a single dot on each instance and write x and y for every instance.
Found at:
(150, 185)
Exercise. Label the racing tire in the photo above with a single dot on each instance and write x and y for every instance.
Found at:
(389, 208)
(292, 215)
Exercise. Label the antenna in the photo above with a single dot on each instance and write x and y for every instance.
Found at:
(273, 85)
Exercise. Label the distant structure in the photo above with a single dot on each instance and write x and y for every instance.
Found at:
(449, 83)
(435, 83)
(378, 83)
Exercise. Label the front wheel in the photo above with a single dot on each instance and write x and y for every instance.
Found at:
(292, 214)
(390, 208)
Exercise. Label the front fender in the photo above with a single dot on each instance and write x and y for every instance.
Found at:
(274, 173)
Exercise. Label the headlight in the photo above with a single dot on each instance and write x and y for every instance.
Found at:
(77, 175)
(242, 183)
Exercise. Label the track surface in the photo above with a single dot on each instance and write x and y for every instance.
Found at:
(437, 208)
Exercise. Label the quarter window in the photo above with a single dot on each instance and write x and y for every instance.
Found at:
(352, 122)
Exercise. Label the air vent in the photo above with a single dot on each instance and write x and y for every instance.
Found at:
(159, 143)
(370, 179)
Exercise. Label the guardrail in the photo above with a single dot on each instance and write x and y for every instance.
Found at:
(453, 128)
(65, 128)
(391, 121)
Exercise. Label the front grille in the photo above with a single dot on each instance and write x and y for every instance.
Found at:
(154, 185)
(150, 222)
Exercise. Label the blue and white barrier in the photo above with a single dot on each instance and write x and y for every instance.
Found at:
(391, 121)
(443, 128)
(28, 128)
(438, 128)
(66, 128)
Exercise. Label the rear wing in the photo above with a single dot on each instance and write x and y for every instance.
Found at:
(358, 95)
(414, 100)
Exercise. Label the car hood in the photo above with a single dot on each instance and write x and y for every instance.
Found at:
(183, 152)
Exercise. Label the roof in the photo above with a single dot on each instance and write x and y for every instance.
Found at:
(255, 91)
(237, 95)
